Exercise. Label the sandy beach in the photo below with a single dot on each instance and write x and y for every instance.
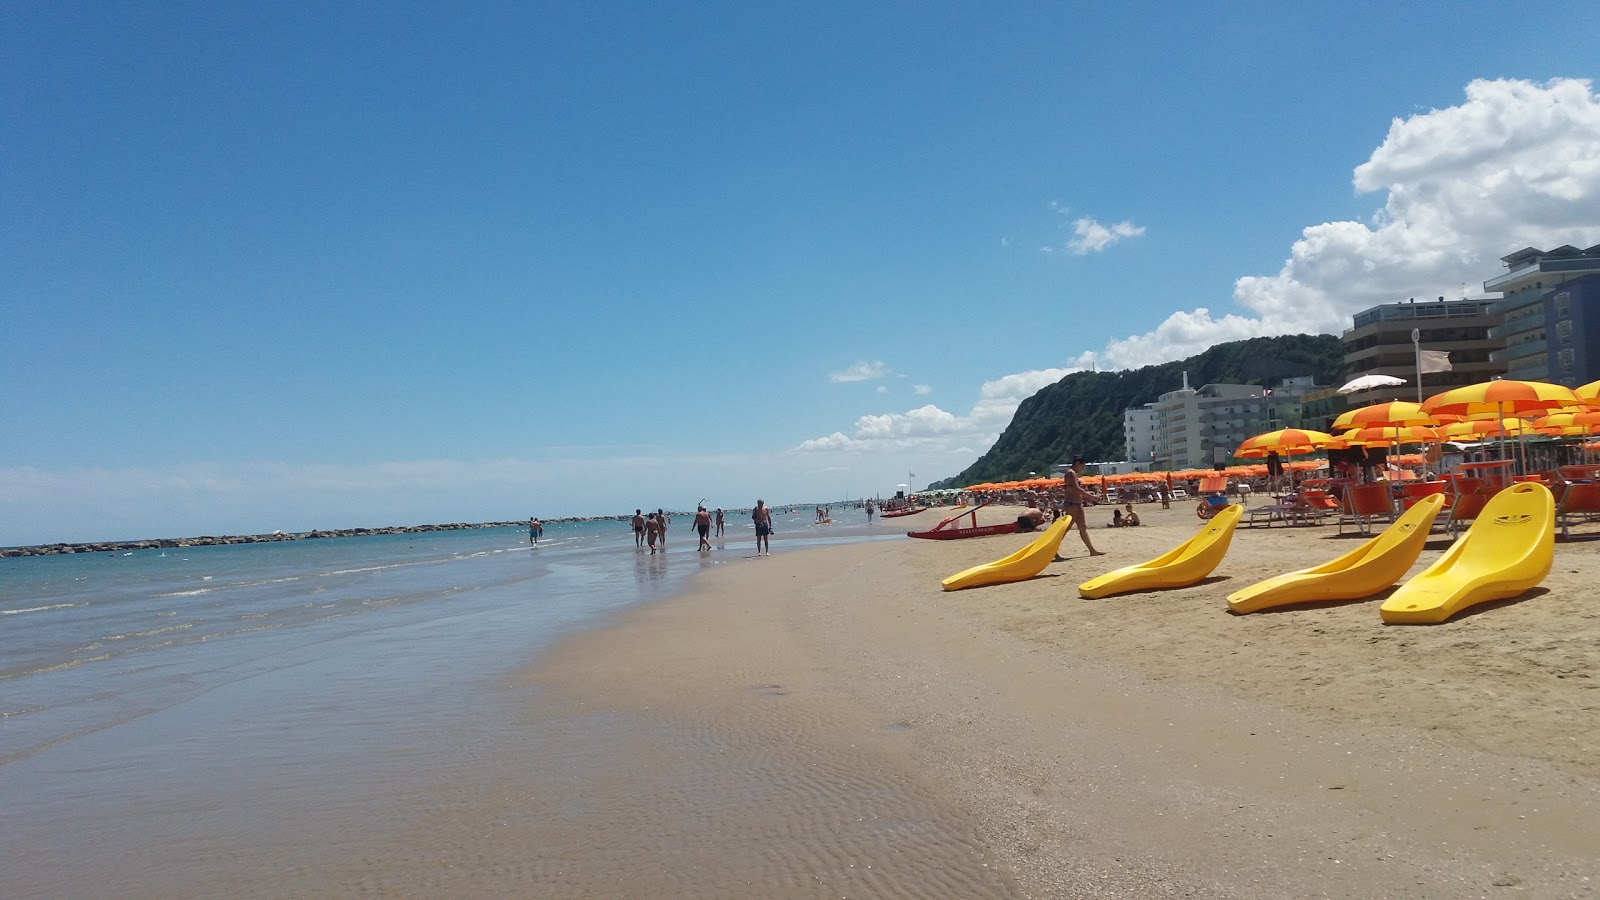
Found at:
(828, 722)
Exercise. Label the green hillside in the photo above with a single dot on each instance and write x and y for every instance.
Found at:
(1081, 415)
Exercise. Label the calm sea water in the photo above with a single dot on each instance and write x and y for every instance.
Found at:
(160, 704)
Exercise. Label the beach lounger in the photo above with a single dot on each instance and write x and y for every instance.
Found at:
(1364, 504)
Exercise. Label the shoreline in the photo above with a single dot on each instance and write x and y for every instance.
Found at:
(1151, 745)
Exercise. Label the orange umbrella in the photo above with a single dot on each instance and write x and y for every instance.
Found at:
(1285, 441)
(1392, 436)
(1478, 429)
(1503, 397)
(1398, 412)
(1586, 422)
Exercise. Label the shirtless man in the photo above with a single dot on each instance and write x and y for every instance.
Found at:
(535, 529)
(702, 524)
(1076, 498)
(763, 519)
(1129, 517)
(638, 528)
(662, 521)
(719, 521)
(870, 510)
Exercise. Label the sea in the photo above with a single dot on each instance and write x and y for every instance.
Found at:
(161, 709)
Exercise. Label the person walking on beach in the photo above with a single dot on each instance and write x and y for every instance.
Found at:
(719, 521)
(763, 519)
(662, 521)
(652, 530)
(702, 524)
(638, 528)
(1077, 497)
(535, 529)
(870, 510)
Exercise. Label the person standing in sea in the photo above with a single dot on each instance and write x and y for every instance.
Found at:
(763, 519)
(662, 521)
(719, 521)
(638, 528)
(652, 529)
(702, 525)
(1076, 498)
(535, 529)
(870, 510)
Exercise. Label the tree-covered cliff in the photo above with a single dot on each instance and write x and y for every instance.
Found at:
(1081, 415)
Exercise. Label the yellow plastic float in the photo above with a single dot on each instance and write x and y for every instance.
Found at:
(1362, 572)
(1182, 566)
(1019, 566)
(1509, 549)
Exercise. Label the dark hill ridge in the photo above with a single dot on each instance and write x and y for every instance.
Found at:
(1081, 415)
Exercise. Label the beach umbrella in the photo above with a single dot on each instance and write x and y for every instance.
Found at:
(1370, 382)
(1585, 422)
(1479, 429)
(1504, 398)
(1392, 436)
(1397, 412)
(1589, 393)
(1285, 441)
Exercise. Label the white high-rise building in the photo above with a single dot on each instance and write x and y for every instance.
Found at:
(1139, 433)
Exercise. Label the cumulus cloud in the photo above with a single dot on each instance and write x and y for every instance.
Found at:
(921, 389)
(1089, 236)
(861, 371)
(932, 428)
(1516, 164)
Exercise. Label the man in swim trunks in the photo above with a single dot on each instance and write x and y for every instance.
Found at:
(1076, 498)
(638, 528)
(719, 521)
(763, 519)
(535, 529)
(702, 524)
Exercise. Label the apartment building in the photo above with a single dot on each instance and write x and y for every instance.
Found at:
(1379, 343)
(1550, 311)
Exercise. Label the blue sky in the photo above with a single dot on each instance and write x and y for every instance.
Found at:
(295, 266)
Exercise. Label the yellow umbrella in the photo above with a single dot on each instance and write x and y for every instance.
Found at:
(1504, 398)
(1284, 440)
(1586, 422)
(1478, 429)
(1397, 412)
(1392, 436)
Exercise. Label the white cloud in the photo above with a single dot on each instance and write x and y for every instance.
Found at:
(1517, 164)
(1089, 236)
(861, 371)
(921, 389)
(883, 389)
(930, 428)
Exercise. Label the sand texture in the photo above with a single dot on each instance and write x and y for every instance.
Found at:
(828, 722)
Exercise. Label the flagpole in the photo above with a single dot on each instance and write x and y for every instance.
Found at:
(1416, 344)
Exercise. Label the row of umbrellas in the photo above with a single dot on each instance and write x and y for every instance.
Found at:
(1474, 412)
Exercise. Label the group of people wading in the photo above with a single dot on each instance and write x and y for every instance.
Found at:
(650, 529)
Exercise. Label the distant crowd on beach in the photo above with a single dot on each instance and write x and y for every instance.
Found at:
(650, 529)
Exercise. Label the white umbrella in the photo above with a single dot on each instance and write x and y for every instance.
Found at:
(1368, 382)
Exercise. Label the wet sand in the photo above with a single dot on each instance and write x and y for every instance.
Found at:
(828, 722)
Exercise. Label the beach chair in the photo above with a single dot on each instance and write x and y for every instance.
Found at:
(1272, 512)
(1315, 504)
(1416, 490)
(1213, 496)
(1577, 500)
(1470, 495)
(1364, 503)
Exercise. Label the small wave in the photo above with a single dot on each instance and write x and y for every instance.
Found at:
(18, 612)
(152, 633)
(22, 712)
(192, 593)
